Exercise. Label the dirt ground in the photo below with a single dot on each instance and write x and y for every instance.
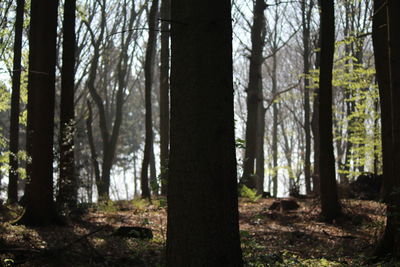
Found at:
(269, 238)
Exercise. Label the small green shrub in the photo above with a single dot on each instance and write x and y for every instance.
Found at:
(248, 193)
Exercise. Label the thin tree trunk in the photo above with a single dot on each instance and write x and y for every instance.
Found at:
(274, 128)
(315, 128)
(164, 94)
(260, 149)
(330, 206)
(149, 74)
(15, 108)
(67, 194)
(135, 178)
(306, 21)
(153, 175)
(95, 162)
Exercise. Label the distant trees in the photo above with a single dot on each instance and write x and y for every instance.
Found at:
(203, 225)
(109, 82)
(40, 207)
(330, 207)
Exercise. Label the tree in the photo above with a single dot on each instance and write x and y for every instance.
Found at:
(40, 209)
(306, 11)
(315, 126)
(164, 94)
(203, 225)
(330, 206)
(15, 102)
(67, 194)
(149, 73)
(110, 103)
(386, 40)
(255, 109)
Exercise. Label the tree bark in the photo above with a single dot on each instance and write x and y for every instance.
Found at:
(260, 149)
(381, 53)
(315, 128)
(390, 242)
(203, 227)
(93, 153)
(67, 195)
(40, 209)
(274, 127)
(149, 74)
(306, 21)
(254, 95)
(330, 206)
(15, 108)
(164, 94)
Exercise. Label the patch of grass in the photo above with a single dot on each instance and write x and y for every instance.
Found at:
(140, 204)
(107, 206)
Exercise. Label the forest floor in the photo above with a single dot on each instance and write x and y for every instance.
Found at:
(269, 238)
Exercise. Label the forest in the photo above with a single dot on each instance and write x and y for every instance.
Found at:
(200, 133)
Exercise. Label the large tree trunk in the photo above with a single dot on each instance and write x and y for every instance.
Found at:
(203, 228)
(330, 206)
(381, 53)
(40, 209)
(164, 94)
(388, 62)
(149, 74)
(67, 195)
(254, 95)
(15, 96)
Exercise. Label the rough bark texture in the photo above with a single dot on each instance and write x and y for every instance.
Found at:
(164, 94)
(15, 96)
(40, 209)
(381, 53)
(203, 227)
(254, 94)
(67, 195)
(330, 206)
(387, 14)
(148, 74)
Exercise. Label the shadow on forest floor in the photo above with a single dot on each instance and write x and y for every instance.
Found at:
(269, 238)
